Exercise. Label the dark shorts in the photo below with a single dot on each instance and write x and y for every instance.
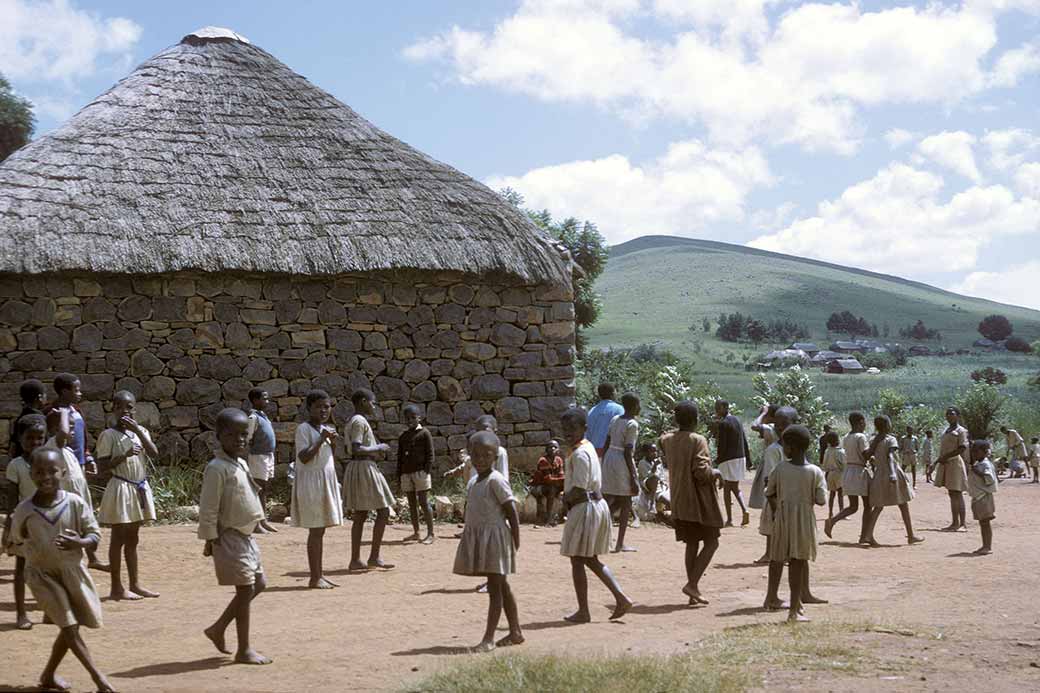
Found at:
(694, 531)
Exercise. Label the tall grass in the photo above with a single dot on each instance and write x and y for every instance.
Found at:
(174, 487)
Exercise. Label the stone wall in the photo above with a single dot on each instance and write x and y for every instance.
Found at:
(190, 344)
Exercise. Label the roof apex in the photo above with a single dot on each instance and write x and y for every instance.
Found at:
(213, 33)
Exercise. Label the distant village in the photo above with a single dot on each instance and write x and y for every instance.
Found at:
(843, 356)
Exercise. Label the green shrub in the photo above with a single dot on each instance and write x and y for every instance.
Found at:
(980, 407)
(794, 388)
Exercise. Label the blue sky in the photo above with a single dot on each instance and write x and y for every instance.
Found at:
(898, 137)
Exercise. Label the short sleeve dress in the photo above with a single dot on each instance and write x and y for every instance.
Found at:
(617, 481)
(17, 473)
(982, 486)
(772, 458)
(316, 500)
(58, 578)
(855, 481)
(587, 530)
(128, 495)
(890, 485)
(797, 489)
(75, 481)
(364, 486)
(486, 546)
(952, 474)
(834, 467)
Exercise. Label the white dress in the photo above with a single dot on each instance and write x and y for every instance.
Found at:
(617, 480)
(797, 488)
(128, 495)
(855, 481)
(771, 459)
(316, 500)
(587, 531)
(364, 486)
(75, 481)
(486, 546)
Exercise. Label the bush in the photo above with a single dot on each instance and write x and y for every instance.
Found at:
(1018, 344)
(880, 360)
(794, 388)
(980, 406)
(669, 387)
(990, 376)
(174, 487)
(995, 327)
(896, 406)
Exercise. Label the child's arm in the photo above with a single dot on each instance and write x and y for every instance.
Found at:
(106, 453)
(88, 536)
(308, 453)
(820, 492)
(209, 505)
(509, 508)
(428, 453)
(63, 429)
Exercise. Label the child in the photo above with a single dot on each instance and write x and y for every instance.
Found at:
(982, 485)
(547, 483)
(695, 501)
(908, 446)
(73, 481)
(31, 393)
(491, 539)
(794, 487)
(620, 480)
(586, 533)
(834, 468)
(732, 456)
(128, 502)
(926, 455)
(414, 461)
(54, 527)
(1034, 459)
(490, 424)
(364, 487)
(951, 470)
(889, 485)
(32, 432)
(855, 481)
(229, 511)
(771, 458)
(261, 449)
(316, 500)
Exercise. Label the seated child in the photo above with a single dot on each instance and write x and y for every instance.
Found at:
(547, 483)
(982, 486)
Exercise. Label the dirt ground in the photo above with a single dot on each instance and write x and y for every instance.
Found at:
(969, 622)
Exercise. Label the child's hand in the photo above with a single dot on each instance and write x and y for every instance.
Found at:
(68, 540)
(207, 550)
(128, 422)
(382, 447)
(329, 434)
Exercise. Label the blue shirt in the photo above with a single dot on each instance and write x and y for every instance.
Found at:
(263, 442)
(599, 418)
(78, 437)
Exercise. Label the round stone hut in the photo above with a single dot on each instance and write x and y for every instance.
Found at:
(216, 222)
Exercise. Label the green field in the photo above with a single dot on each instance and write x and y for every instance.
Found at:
(655, 288)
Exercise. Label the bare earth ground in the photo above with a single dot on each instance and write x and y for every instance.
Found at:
(953, 620)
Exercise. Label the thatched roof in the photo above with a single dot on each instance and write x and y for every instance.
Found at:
(215, 156)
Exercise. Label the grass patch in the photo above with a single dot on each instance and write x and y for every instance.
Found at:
(729, 662)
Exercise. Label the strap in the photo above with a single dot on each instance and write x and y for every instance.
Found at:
(64, 506)
(142, 484)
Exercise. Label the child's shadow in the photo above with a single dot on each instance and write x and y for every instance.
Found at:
(445, 590)
(966, 554)
(553, 543)
(170, 668)
(737, 566)
(660, 609)
(289, 588)
(435, 650)
(844, 544)
(744, 611)
(549, 625)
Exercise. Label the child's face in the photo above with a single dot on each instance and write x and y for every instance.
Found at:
(367, 407)
(47, 470)
(882, 426)
(320, 410)
(234, 437)
(859, 426)
(482, 455)
(552, 449)
(73, 394)
(952, 417)
(262, 401)
(36, 401)
(123, 407)
(32, 438)
(573, 432)
(979, 453)
(411, 418)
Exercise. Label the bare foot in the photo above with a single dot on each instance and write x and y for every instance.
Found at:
(380, 563)
(414, 536)
(962, 528)
(103, 685)
(797, 617)
(872, 543)
(23, 623)
(268, 526)
(147, 594)
(624, 605)
(774, 605)
(482, 589)
(763, 560)
(578, 617)
(357, 565)
(983, 551)
(124, 595)
(217, 638)
(511, 639)
(949, 528)
(729, 523)
(913, 539)
(322, 584)
(828, 527)
(624, 549)
(812, 599)
(54, 683)
(99, 566)
(694, 594)
(260, 529)
(428, 539)
(251, 656)
(484, 646)
(746, 520)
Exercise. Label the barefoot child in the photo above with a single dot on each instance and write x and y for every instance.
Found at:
(771, 459)
(951, 468)
(833, 468)
(890, 485)
(316, 500)
(1034, 459)
(586, 534)
(794, 487)
(73, 481)
(54, 527)
(32, 432)
(490, 424)
(733, 454)
(491, 539)
(414, 462)
(926, 455)
(547, 483)
(261, 448)
(695, 501)
(32, 393)
(620, 479)
(982, 485)
(855, 481)
(127, 503)
(229, 511)
(908, 450)
(364, 486)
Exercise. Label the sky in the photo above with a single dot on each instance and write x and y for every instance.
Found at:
(899, 137)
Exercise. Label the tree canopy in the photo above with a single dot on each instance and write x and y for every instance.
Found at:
(17, 121)
(995, 327)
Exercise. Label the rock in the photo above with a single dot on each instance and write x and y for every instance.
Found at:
(438, 414)
(375, 341)
(87, 338)
(200, 391)
(404, 294)
(373, 365)
(147, 414)
(311, 291)
(117, 362)
(236, 390)
(478, 351)
(246, 288)
(238, 336)
(181, 286)
(443, 508)
(557, 332)
(345, 340)
(446, 339)
(536, 437)
(529, 389)
(449, 389)
(331, 313)
(135, 308)
(487, 298)
(195, 309)
(68, 315)
(148, 286)
(450, 313)
(277, 289)
(209, 334)
(512, 410)
(258, 369)
(467, 412)
(186, 513)
(51, 339)
(184, 338)
(416, 371)
(169, 308)
(97, 386)
(59, 285)
(277, 387)
(391, 389)
(182, 367)
(370, 293)
(308, 338)
(424, 392)
(335, 385)
(516, 297)
(547, 410)
(15, 313)
(391, 316)
(182, 417)
(144, 362)
(43, 310)
(529, 509)
(159, 388)
(132, 385)
(85, 287)
(253, 316)
(491, 386)
(508, 335)
(432, 294)
(278, 512)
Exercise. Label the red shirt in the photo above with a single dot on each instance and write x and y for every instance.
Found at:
(548, 472)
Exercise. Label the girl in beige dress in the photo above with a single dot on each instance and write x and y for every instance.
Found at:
(586, 533)
(364, 486)
(31, 430)
(620, 480)
(890, 485)
(490, 539)
(316, 502)
(55, 527)
(834, 469)
(127, 503)
(951, 468)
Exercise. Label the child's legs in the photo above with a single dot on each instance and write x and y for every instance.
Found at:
(231, 610)
(413, 509)
(58, 651)
(424, 503)
(796, 580)
(690, 560)
(382, 517)
(315, 549)
(19, 588)
(841, 500)
(115, 556)
(243, 596)
(986, 527)
(509, 604)
(495, 598)
(830, 503)
(727, 501)
(262, 486)
(703, 559)
(904, 510)
(357, 530)
(606, 577)
(734, 488)
(581, 584)
(866, 526)
(849, 510)
(776, 573)
(79, 648)
(625, 503)
(957, 505)
(131, 538)
(874, 514)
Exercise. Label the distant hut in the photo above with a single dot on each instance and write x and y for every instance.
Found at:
(786, 357)
(920, 350)
(216, 222)
(822, 358)
(848, 366)
(848, 348)
(808, 347)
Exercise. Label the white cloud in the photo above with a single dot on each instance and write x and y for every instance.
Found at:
(898, 137)
(53, 40)
(681, 192)
(897, 222)
(1015, 64)
(1009, 148)
(954, 150)
(1015, 285)
(1027, 180)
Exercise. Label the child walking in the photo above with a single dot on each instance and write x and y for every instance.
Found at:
(55, 527)
(364, 486)
(491, 539)
(908, 450)
(771, 459)
(32, 432)
(695, 502)
(261, 449)
(586, 533)
(890, 485)
(316, 500)
(1034, 459)
(982, 485)
(127, 503)
(926, 455)
(547, 483)
(620, 479)
(794, 487)
(414, 462)
(855, 481)
(229, 511)
(834, 469)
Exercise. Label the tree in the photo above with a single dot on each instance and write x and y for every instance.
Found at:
(990, 376)
(706, 325)
(1018, 344)
(795, 388)
(995, 327)
(980, 406)
(756, 331)
(17, 121)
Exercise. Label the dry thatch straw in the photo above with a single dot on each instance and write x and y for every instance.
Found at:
(215, 156)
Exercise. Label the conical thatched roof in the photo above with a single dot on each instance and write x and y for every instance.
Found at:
(214, 156)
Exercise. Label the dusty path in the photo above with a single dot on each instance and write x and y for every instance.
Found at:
(383, 631)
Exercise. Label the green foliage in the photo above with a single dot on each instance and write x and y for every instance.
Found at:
(736, 327)
(668, 387)
(897, 406)
(17, 121)
(919, 332)
(996, 327)
(981, 406)
(852, 325)
(794, 388)
(174, 487)
(990, 376)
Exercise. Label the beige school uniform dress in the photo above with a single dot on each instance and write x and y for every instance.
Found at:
(617, 481)
(75, 481)
(952, 473)
(486, 546)
(58, 578)
(771, 459)
(501, 466)
(908, 452)
(229, 511)
(1034, 455)
(797, 488)
(316, 499)
(890, 486)
(128, 495)
(834, 467)
(364, 486)
(855, 481)
(587, 530)
(982, 485)
(18, 474)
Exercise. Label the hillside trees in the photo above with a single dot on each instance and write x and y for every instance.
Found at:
(996, 327)
(919, 331)
(852, 325)
(737, 327)
(17, 121)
